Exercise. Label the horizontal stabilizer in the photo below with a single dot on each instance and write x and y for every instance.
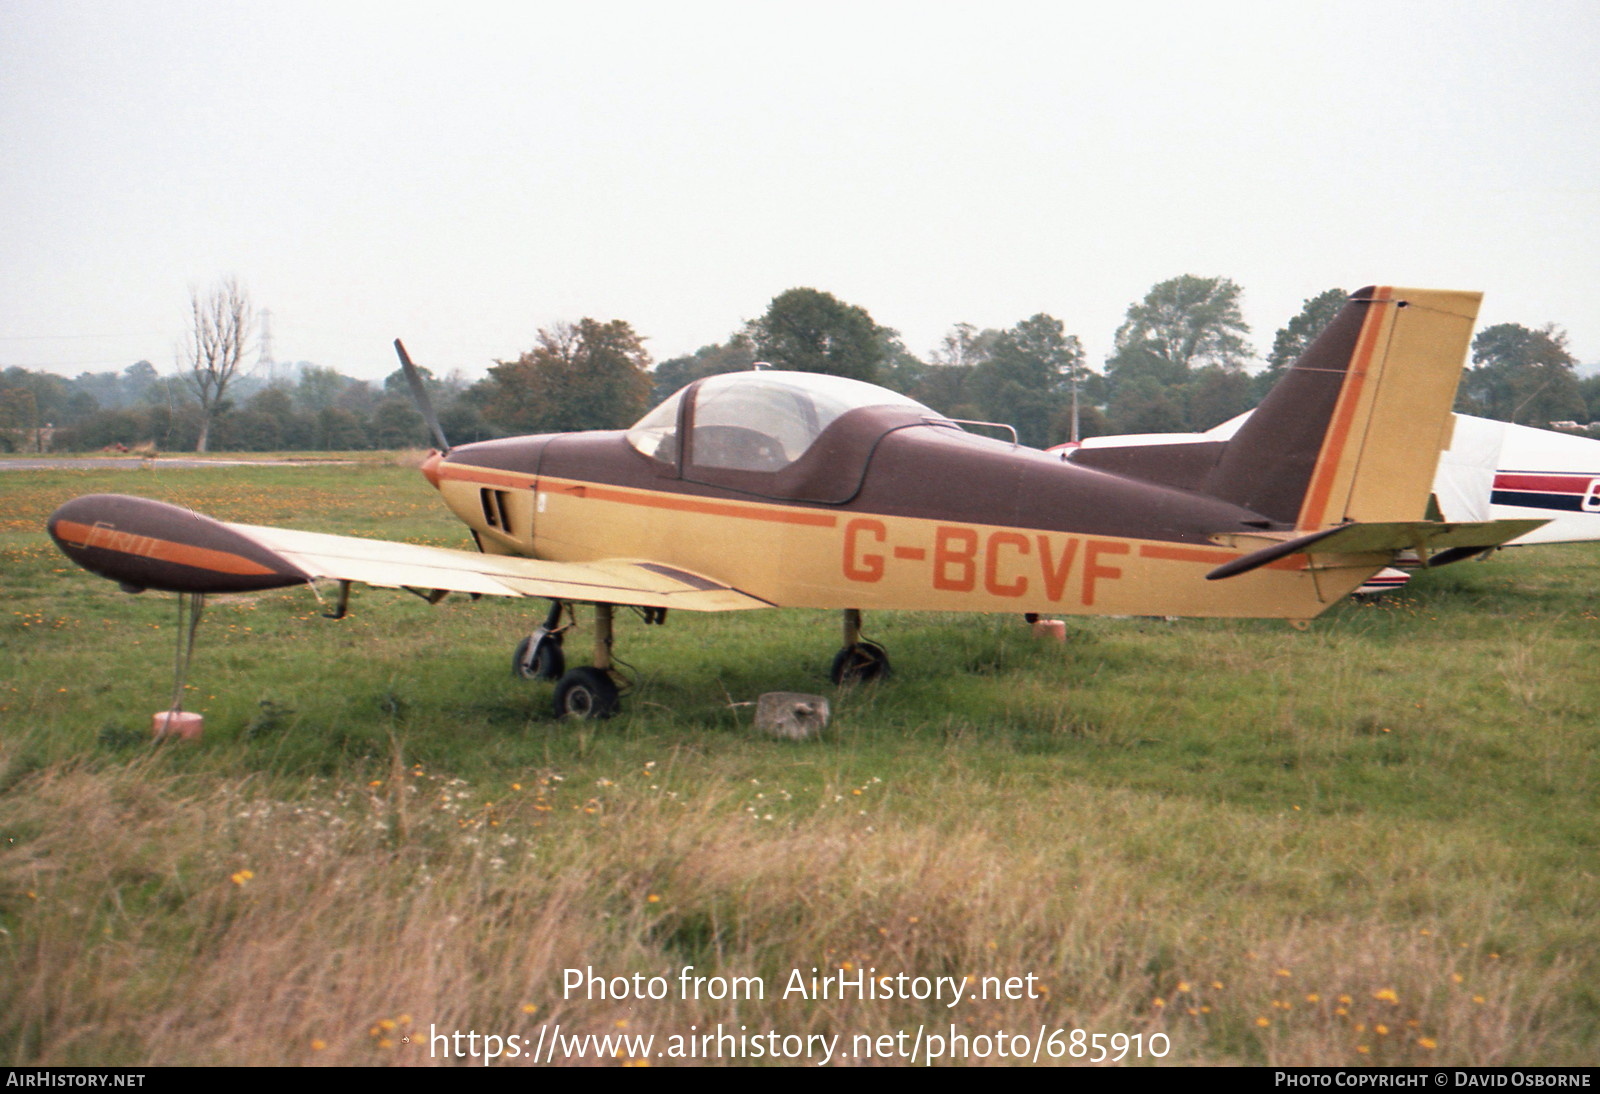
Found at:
(1422, 536)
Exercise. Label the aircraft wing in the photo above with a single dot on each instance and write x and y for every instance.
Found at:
(391, 565)
(142, 544)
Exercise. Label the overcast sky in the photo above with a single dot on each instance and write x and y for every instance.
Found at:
(463, 174)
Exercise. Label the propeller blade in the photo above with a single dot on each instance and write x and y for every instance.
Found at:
(419, 395)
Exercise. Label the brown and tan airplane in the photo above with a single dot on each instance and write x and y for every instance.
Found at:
(769, 489)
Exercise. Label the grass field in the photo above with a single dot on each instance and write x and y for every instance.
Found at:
(1368, 842)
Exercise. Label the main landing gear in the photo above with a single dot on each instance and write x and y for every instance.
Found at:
(590, 691)
(860, 661)
(586, 693)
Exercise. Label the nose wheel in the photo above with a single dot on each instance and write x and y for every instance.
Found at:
(539, 656)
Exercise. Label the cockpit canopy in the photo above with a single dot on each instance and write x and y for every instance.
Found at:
(756, 421)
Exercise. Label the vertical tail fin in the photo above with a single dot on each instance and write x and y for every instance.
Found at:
(1354, 429)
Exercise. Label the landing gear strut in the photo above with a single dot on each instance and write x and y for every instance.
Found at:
(859, 662)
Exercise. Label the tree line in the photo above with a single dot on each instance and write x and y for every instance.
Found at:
(1179, 363)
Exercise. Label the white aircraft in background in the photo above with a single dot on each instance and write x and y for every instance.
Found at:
(1491, 471)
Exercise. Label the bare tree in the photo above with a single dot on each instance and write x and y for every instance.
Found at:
(214, 348)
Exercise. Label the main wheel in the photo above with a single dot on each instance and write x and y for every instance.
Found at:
(859, 664)
(548, 661)
(586, 693)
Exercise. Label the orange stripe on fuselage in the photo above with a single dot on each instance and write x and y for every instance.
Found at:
(1209, 557)
(485, 476)
(691, 504)
(162, 550)
(1316, 503)
(1186, 554)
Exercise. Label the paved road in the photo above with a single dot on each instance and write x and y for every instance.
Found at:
(136, 463)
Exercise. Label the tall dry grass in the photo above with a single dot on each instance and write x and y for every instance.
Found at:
(154, 919)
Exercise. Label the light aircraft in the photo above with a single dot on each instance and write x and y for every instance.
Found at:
(771, 489)
(1490, 471)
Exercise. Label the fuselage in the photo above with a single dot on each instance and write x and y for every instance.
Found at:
(888, 507)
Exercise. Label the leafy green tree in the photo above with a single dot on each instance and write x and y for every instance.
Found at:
(107, 429)
(268, 422)
(964, 346)
(1143, 404)
(395, 385)
(319, 388)
(1296, 336)
(812, 331)
(1026, 379)
(591, 376)
(1188, 322)
(947, 382)
(338, 430)
(1522, 375)
(141, 383)
(1216, 394)
(18, 409)
(737, 354)
(104, 388)
(52, 395)
(398, 425)
(1170, 341)
(899, 369)
(1589, 391)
